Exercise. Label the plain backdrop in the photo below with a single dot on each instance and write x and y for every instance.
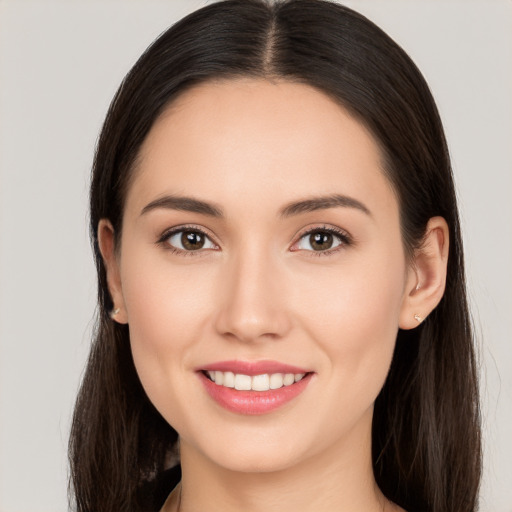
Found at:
(60, 64)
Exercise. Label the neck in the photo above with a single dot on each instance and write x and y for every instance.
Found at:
(340, 479)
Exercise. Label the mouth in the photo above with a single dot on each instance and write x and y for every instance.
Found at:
(260, 382)
(253, 388)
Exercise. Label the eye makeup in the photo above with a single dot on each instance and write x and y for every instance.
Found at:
(194, 238)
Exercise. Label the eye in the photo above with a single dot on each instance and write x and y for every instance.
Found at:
(322, 240)
(187, 240)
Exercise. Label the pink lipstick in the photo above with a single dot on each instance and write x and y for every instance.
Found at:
(253, 387)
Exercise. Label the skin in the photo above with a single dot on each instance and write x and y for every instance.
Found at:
(258, 290)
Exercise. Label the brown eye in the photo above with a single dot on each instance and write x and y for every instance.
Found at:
(321, 240)
(190, 240)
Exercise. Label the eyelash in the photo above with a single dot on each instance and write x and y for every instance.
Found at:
(344, 238)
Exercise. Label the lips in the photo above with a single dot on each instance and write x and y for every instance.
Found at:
(253, 367)
(253, 387)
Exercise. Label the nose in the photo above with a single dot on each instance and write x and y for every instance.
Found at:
(252, 303)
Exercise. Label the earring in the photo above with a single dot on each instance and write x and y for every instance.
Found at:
(418, 318)
(114, 312)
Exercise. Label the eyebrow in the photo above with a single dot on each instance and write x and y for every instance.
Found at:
(323, 203)
(190, 204)
(182, 203)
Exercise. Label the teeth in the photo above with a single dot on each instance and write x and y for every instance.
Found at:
(242, 382)
(288, 379)
(229, 379)
(276, 381)
(262, 382)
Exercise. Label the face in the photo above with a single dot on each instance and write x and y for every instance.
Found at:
(261, 238)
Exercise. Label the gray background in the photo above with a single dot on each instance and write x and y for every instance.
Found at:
(60, 64)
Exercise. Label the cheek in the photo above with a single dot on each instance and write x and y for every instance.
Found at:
(363, 291)
(166, 309)
(165, 301)
(355, 321)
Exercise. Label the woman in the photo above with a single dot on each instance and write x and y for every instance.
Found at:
(283, 320)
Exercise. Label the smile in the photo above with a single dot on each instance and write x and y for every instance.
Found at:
(263, 382)
(253, 387)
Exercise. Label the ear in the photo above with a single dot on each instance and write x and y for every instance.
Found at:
(426, 278)
(110, 259)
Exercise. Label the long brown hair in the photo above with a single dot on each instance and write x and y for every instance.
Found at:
(426, 431)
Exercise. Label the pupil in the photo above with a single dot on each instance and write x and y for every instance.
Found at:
(192, 241)
(321, 241)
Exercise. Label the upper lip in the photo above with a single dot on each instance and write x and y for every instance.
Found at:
(252, 367)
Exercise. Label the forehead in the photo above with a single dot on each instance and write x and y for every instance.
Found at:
(248, 138)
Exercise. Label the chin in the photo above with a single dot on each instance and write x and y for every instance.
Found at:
(257, 460)
(245, 453)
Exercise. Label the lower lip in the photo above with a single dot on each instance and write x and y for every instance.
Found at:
(253, 402)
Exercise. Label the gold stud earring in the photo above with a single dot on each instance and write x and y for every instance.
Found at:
(114, 312)
(418, 318)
